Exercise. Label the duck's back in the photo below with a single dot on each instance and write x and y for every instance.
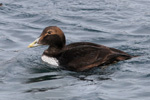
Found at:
(84, 55)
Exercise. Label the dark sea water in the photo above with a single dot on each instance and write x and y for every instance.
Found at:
(121, 24)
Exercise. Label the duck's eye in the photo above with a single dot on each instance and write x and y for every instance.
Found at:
(49, 32)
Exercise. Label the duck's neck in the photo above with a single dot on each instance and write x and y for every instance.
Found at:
(56, 46)
(53, 51)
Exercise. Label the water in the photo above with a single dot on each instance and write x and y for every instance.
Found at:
(122, 24)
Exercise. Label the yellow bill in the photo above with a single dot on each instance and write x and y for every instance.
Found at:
(34, 43)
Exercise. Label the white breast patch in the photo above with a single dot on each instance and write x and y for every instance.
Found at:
(50, 60)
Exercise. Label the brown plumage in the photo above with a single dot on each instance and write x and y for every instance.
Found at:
(1, 4)
(77, 56)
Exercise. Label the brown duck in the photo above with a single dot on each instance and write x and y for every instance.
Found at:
(77, 56)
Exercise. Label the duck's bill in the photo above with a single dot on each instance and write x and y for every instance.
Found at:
(34, 43)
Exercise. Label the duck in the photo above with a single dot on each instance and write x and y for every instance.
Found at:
(1, 4)
(78, 56)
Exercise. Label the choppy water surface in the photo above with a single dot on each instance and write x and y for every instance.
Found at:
(122, 24)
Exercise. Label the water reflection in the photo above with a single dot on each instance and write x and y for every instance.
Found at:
(33, 90)
(43, 78)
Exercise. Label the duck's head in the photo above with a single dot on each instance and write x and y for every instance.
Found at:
(52, 36)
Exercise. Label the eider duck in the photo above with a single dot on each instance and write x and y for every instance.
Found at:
(79, 56)
(1, 4)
